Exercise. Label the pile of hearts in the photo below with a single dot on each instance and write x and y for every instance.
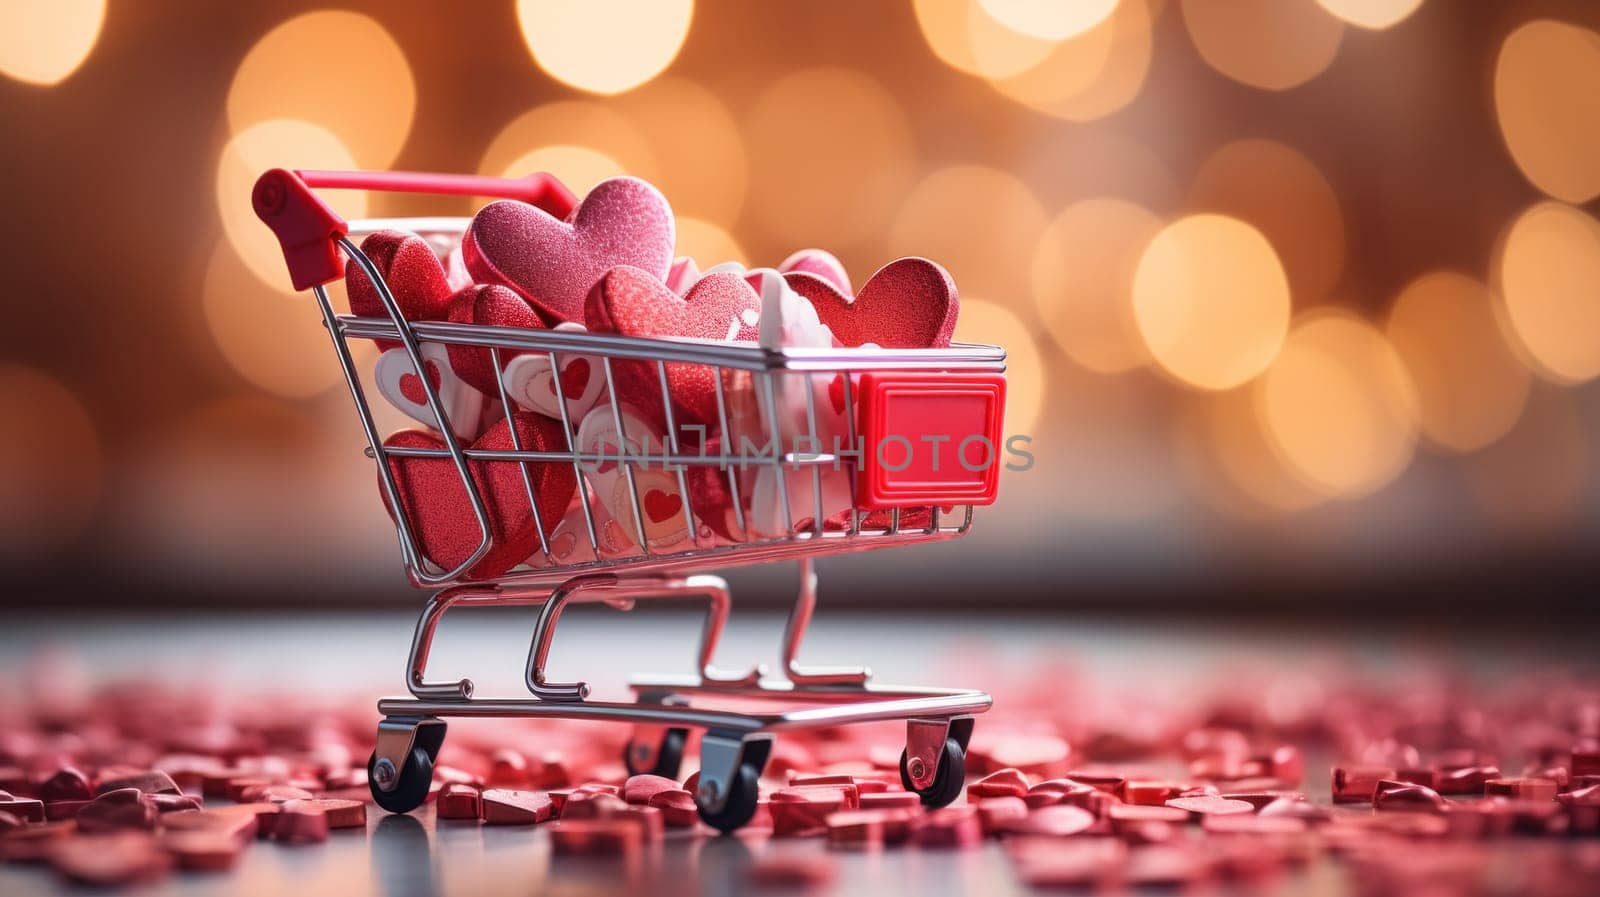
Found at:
(609, 268)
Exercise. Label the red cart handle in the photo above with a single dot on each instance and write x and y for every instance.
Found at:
(309, 230)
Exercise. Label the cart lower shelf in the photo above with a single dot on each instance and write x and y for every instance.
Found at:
(733, 749)
(735, 743)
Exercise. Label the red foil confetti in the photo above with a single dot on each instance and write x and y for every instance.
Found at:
(1064, 815)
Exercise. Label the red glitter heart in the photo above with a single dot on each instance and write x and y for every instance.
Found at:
(910, 303)
(553, 263)
(660, 506)
(414, 274)
(632, 302)
(435, 501)
(411, 385)
(492, 306)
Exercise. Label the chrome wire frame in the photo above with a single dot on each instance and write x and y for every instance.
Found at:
(843, 694)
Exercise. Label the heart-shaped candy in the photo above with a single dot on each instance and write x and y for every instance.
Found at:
(529, 383)
(435, 501)
(666, 526)
(910, 303)
(820, 262)
(494, 306)
(632, 302)
(398, 381)
(553, 263)
(412, 270)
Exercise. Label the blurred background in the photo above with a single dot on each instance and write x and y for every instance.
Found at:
(1302, 297)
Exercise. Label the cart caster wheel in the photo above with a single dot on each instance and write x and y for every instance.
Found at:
(743, 791)
(947, 780)
(669, 755)
(411, 781)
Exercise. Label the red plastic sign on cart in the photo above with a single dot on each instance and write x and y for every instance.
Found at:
(930, 439)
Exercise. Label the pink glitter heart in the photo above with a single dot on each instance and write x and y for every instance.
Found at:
(553, 263)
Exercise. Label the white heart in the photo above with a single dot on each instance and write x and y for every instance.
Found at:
(462, 404)
(570, 542)
(529, 383)
(766, 508)
(750, 419)
(598, 434)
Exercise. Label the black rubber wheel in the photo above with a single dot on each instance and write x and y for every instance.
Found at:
(948, 779)
(741, 804)
(669, 755)
(411, 789)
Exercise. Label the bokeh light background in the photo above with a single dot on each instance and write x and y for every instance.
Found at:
(1302, 297)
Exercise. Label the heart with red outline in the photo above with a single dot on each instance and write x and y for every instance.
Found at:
(910, 303)
(435, 501)
(631, 302)
(529, 383)
(553, 263)
(570, 542)
(487, 305)
(641, 442)
(412, 270)
(397, 380)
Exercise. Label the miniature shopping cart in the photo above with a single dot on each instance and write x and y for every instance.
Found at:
(895, 399)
